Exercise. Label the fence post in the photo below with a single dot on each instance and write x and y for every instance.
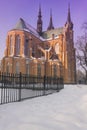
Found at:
(20, 78)
(2, 89)
(33, 82)
(44, 85)
(57, 84)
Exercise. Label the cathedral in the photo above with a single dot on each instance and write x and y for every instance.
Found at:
(41, 53)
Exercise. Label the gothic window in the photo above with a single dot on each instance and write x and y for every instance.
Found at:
(39, 70)
(8, 68)
(26, 47)
(17, 68)
(33, 50)
(17, 45)
(55, 70)
(11, 46)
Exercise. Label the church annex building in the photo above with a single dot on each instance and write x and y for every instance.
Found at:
(38, 53)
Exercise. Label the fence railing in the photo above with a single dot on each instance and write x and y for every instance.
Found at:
(17, 87)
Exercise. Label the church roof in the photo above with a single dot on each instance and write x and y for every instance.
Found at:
(22, 25)
(48, 34)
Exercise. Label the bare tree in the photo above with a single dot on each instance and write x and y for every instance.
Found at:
(82, 50)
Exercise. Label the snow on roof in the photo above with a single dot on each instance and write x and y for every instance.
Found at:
(22, 25)
(48, 34)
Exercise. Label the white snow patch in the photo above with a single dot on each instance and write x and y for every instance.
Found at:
(65, 110)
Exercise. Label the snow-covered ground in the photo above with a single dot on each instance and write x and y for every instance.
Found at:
(65, 110)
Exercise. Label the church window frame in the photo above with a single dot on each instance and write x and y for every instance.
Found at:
(17, 46)
(33, 49)
(26, 47)
(11, 45)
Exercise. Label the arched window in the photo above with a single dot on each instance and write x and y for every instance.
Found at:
(17, 68)
(8, 68)
(11, 45)
(26, 47)
(39, 70)
(17, 48)
(33, 49)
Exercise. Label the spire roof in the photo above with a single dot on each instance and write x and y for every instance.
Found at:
(69, 16)
(20, 25)
(39, 14)
(51, 21)
(69, 22)
(39, 21)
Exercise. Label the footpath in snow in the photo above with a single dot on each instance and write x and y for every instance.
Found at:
(65, 110)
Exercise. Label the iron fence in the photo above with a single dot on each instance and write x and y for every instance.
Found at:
(17, 87)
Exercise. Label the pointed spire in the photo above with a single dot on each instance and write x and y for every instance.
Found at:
(69, 17)
(39, 14)
(69, 22)
(50, 12)
(39, 21)
(51, 21)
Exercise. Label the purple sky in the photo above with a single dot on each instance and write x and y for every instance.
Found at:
(12, 10)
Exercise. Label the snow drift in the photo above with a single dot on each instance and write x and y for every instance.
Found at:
(66, 110)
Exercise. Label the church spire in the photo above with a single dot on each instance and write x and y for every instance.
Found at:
(39, 22)
(69, 16)
(51, 21)
(69, 22)
(39, 14)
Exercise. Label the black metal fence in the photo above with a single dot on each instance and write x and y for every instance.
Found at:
(17, 87)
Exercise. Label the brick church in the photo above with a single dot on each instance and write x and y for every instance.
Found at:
(38, 53)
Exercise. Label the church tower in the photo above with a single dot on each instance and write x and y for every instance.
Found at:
(51, 22)
(70, 59)
(39, 22)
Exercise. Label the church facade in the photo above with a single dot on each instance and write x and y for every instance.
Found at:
(38, 53)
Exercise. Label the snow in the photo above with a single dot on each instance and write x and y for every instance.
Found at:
(65, 110)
